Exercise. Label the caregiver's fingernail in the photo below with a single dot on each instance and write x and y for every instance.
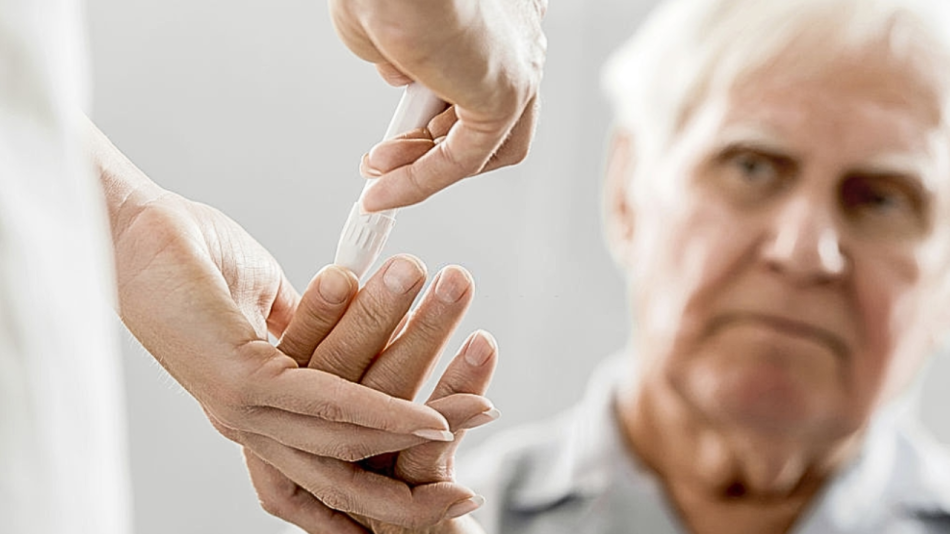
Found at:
(480, 419)
(403, 274)
(334, 285)
(480, 348)
(465, 507)
(452, 284)
(367, 170)
(435, 435)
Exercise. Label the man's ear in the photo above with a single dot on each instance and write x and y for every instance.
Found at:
(618, 210)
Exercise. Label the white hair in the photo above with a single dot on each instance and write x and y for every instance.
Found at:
(687, 48)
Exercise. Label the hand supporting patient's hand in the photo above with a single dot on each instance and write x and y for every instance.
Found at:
(486, 57)
(375, 342)
(200, 295)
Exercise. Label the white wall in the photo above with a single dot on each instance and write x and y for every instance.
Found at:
(254, 107)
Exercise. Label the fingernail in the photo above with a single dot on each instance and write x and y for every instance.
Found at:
(465, 507)
(334, 285)
(367, 170)
(480, 348)
(434, 435)
(402, 275)
(452, 284)
(480, 419)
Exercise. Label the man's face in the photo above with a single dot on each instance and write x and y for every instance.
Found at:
(789, 257)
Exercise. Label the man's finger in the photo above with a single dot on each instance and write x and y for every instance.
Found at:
(369, 321)
(472, 368)
(469, 373)
(281, 497)
(404, 366)
(320, 308)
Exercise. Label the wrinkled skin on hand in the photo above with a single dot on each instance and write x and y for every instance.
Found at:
(370, 337)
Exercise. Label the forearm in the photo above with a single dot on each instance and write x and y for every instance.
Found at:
(125, 186)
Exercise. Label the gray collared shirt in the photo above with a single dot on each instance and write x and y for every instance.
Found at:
(574, 475)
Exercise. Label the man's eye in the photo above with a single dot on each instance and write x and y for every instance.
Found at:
(755, 168)
(875, 196)
(883, 205)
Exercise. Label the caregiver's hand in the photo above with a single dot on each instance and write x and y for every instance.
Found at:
(200, 294)
(486, 57)
(377, 343)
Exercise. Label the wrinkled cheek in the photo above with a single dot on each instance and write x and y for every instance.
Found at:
(686, 256)
(892, 328)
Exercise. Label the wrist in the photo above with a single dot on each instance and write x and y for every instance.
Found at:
(125, 187)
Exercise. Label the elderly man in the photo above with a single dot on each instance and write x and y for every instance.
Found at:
(778, 193)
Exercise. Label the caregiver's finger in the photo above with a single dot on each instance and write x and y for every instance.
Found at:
(465, 411)
(327, 396)
(404, 366)
(342, 441)
(346, 487)
(320, 308)
(393, 154)
(369, 321)
(281, 497)
(407, 147)
(466, 149)
(516, 146)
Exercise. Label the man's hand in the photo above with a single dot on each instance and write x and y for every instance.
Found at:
(378, 344)
(201, 295)
(484, 57)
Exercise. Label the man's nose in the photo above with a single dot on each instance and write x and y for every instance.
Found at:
(804, 242)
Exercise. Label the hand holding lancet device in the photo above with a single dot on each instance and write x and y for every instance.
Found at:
(365, 234)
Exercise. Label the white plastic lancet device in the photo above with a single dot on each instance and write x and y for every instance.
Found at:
(365, 234)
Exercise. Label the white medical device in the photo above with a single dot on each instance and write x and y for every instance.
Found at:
(365, 234)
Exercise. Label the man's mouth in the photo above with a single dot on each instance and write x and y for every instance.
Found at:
(788, 326)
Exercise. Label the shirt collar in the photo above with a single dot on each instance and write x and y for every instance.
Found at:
(900, 466)
(591, 452)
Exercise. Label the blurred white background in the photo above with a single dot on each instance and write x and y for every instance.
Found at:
(254, 107)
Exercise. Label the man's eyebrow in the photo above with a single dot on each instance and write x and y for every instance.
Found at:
(754, 138)
(908, 165)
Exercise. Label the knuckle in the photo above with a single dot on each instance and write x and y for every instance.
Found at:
(430, 328)
(335, 498)
(370, 312)
(424, 470)
(520, 152)
(465, 168)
